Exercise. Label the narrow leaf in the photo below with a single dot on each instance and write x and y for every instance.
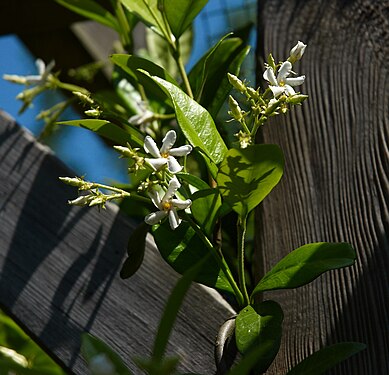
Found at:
(92, 10)
(196, 182)
(324, 359)
(247, 176)
(182, 248)
(109, 130)
(195, 122)
(305, 264)
(181, 13)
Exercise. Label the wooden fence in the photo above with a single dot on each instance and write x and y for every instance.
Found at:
(59, 264)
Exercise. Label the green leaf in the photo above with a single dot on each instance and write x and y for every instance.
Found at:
(109, 130)
(209, 76)
(246, 176)
(92, 346)
(182, 248)
(135, 251)
(147, 11)
(205, 207)
(92, 10)
(257, 326)
(181, 13)
(196, 182)
(195, 122)
(326, 358)
(305, 264)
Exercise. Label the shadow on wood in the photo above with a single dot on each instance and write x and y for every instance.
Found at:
(335, 186)
(60, 268)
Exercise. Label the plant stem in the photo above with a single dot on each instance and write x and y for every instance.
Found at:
(220, 260)
(184, 76)
(124, 27)
(242, 226)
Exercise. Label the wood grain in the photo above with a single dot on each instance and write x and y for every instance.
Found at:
(59, 269)
(335, 186)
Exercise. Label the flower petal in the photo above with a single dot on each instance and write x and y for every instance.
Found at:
(174, 185)
(277, 90)
(155, 198)
(155, 217)
(269, 76)
(174, 220)
(284, 71)
(289, 90)
(173, 165)
(181, 151)
(297, 81)
(156, 164)
(151, 147)
(168, 141)
(180, 204)
(41, 66)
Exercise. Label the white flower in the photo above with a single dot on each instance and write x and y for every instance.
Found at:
(167, 206)
(166, 154)
(39, 79)
(282, 84)
(297, 52)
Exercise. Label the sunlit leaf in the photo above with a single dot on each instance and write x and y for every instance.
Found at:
(305, 264)
(247, 176)
(109, 130)
(92, 10)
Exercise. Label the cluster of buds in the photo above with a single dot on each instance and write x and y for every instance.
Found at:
(87, 100)
(132, 153)
(276, 99)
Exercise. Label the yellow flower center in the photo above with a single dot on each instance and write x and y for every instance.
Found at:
(165, 154)
(167, 206)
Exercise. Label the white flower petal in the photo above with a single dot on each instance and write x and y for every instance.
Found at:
(156, 164)
(168, 141)
(155, 198)
(277, 90)
(289, 90)
(298, 50)
(155, 217)
(284, 71)
(151, 147)
(181, 151)
(174, 220)
(269, 76)
(173, 165)
(41, 66)
(297, 81)
(174, 185)
(180, 204)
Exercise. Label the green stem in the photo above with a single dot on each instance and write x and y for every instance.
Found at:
(220, 260)
(70, 87)
(242, 226)
(111, 188)
(257, 124)
(184, 76)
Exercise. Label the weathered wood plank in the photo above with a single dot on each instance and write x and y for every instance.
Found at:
(335, 186)
(59, 268)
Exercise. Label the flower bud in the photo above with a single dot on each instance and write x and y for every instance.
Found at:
(297, 52)
(83, 97)
(236, 112)
(76, 181)
(93, 112)
(82, 200)
(236, 83)
(296, 99)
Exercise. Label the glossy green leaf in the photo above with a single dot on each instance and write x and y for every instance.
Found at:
(260, 325)
(181, 13)
(92, 346)
(305, 264)
(196, 182)
(323, 360)
(173, 305)
(92, 10)
(208, 77)
(205, 207)
(195, 122)
(147, 11)
(109, 130)
(135, 251)
(182, 248)
(246, 176)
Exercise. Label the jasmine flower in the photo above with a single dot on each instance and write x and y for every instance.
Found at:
(167, 205)
(166, 154)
